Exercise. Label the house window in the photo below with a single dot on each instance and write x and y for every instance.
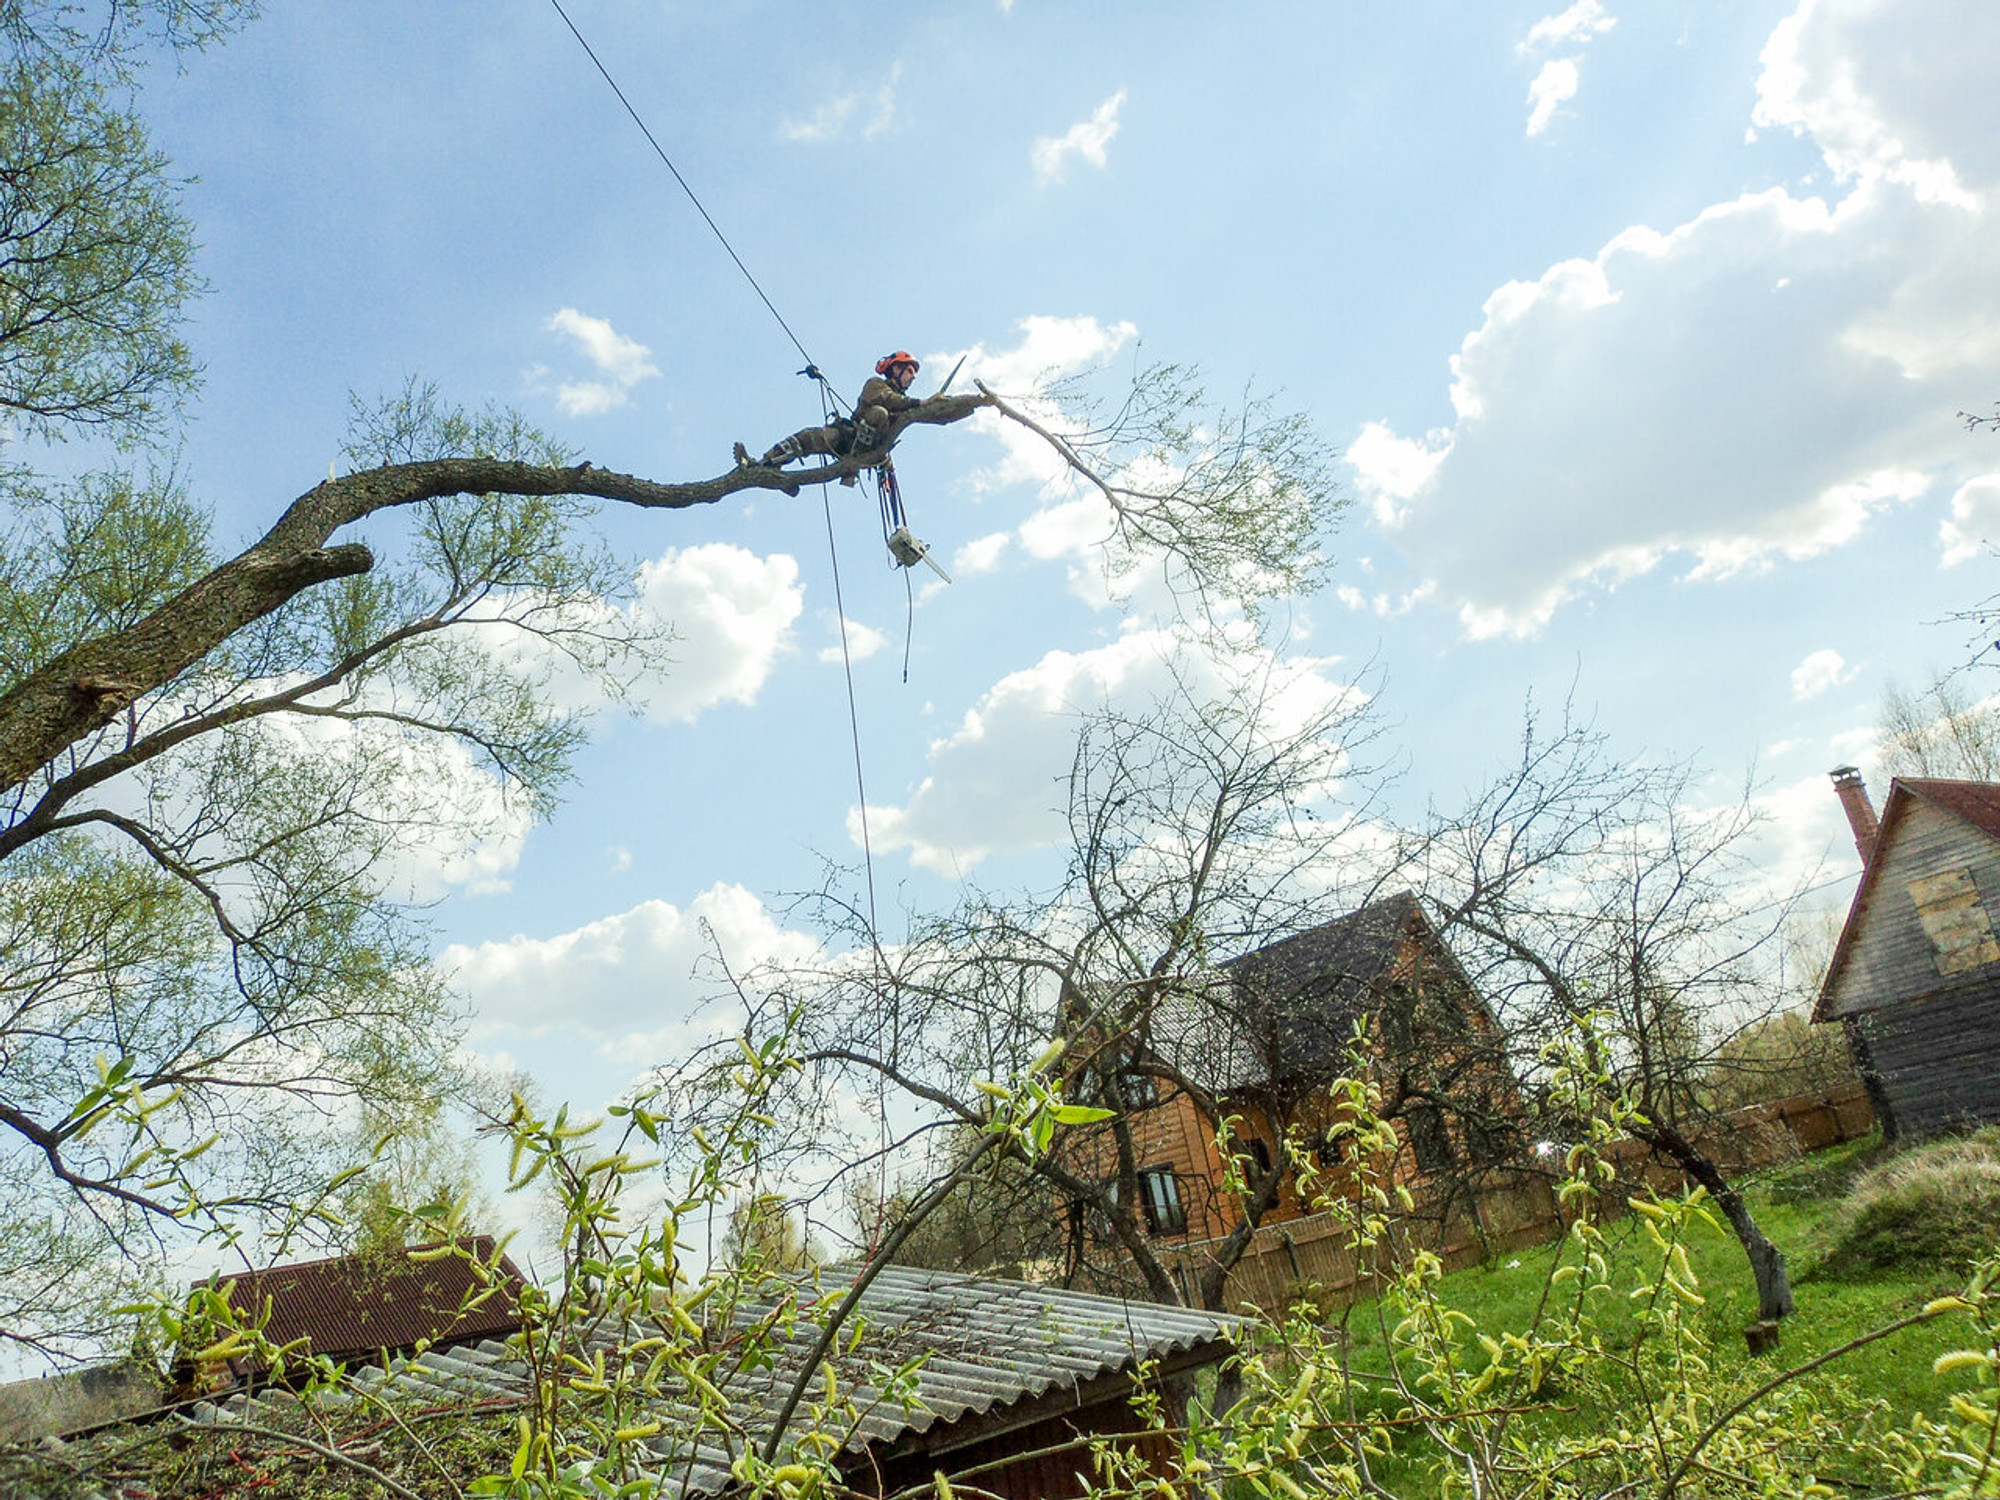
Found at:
(1141, 1090)
(1327, 1150)
(1430, 1139)
(1160, 1197)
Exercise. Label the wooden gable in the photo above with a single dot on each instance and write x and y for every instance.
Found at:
(1926, 918)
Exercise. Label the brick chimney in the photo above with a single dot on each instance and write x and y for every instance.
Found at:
(1860, 811)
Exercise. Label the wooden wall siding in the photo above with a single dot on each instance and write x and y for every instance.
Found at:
(1938, 1058)
(1045, 1460)
(1897, 951)
(1309, 1256)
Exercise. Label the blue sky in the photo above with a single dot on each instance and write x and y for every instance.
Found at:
(1642, 329)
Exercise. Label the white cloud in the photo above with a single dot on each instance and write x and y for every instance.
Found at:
(731, 613)
(980, 555)
(1666, 398)
(624, 361)
(1050, 348)
(863, 641)
(829, 121)
(1975, 520)
(1818, 672)
(997, 781)
(1554, 86)
(1581, 22)
(1391, 470)
(638, 974)
(1087, 139)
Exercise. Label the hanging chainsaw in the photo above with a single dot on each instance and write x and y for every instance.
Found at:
(904, 546)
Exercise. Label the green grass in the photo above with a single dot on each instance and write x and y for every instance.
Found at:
(1804, 1208)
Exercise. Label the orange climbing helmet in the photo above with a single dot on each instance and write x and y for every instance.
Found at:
(886, 365)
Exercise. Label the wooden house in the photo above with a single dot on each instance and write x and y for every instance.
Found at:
(1915, 976)
(1271, 1036)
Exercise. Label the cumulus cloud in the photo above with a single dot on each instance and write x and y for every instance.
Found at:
(1552, 88)
(829, 121)
(1087, 139)
(863, 641)
(1751, 386)
(623, 363)
(731, 614)
(1975, 520)
(1049, 350)
(997, 781)
(1818, 672)
(1581, 22)
(633, 981)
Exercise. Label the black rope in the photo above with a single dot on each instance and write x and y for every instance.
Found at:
(592, 55)
(853, 724)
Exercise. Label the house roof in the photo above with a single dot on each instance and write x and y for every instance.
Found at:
(75, 1401)
(993, 1349)
(1289, 1007)
(1974, 802)
(354, 1305)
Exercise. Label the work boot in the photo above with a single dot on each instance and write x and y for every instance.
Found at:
(780, 452)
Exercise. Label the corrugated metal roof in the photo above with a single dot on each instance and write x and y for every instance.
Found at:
(1288, 1008)
(352, 1305)
(987, 1346)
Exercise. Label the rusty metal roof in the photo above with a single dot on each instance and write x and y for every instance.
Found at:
(990, 1349)
(351, 1306)
(1978, 802)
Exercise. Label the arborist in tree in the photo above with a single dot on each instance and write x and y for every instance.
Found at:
(885, 394)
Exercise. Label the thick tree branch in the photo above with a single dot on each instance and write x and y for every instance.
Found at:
(87, 686)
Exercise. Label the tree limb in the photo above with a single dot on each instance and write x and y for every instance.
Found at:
(88, 685)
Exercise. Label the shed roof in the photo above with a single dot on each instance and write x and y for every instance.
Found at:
(353, 1305)
(992, 1347)
(1973, 802)
(1289, 1007)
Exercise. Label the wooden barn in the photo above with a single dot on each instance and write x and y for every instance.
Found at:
(1915, 977)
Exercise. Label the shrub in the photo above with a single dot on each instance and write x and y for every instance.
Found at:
(1935, 1207)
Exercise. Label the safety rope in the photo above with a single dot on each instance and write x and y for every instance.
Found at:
(661, 153)
(827, 396)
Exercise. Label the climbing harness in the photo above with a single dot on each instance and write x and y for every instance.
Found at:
(905, 549)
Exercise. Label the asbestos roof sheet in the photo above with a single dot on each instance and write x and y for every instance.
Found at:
(986, 1346)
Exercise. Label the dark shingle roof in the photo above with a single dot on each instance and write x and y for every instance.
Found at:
(1289, 1008)
(353, 1305)
(991, 1346)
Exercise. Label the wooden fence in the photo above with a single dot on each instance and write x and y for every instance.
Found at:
(1309, 1257)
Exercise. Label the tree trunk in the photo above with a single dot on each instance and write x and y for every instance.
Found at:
(1767, 1261)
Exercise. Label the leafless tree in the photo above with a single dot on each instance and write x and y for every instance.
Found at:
(1940, 729)
(1200, 828)
(1594, 898)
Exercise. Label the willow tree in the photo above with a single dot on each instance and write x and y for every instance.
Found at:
(217, 765)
